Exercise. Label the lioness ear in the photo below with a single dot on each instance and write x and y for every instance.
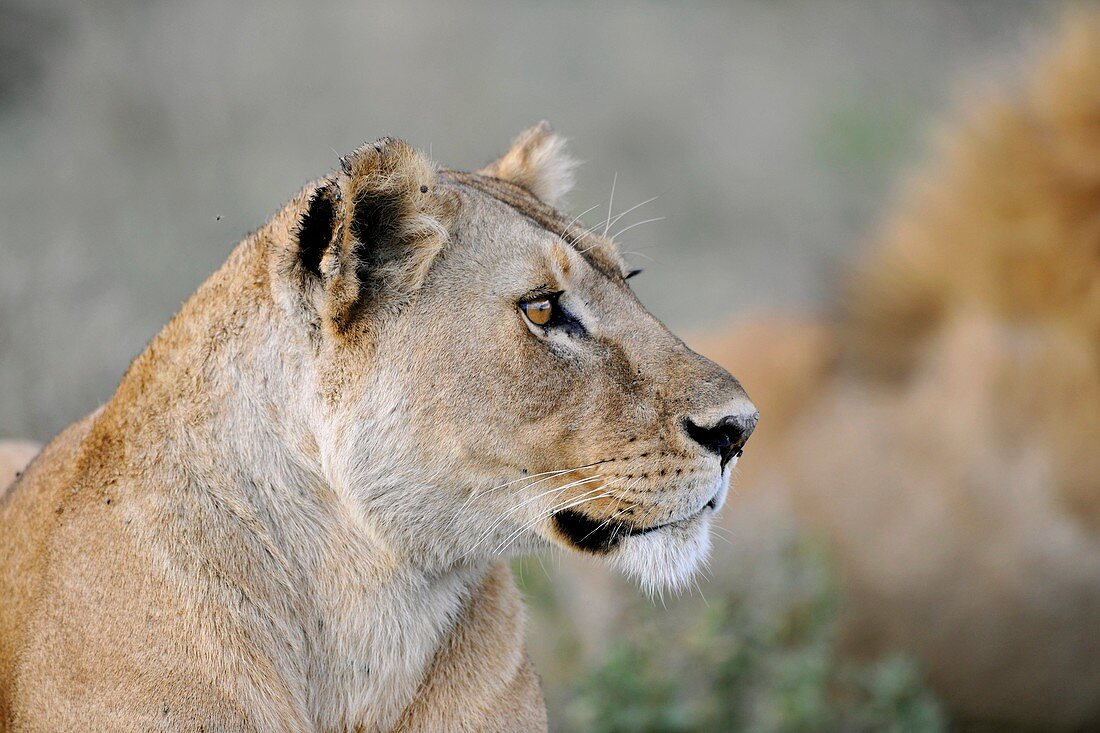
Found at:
(538, 162)
(372, 230)
(315, 229)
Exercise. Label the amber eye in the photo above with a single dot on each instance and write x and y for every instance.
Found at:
(538, 312)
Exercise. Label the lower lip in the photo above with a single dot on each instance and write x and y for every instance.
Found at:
(710, 505)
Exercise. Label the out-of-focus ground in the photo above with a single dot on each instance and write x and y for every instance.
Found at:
(140, 140)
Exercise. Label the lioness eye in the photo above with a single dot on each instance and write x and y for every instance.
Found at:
(539, 312)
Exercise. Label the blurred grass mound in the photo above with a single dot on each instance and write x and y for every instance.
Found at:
(746, 661)
(939, 428)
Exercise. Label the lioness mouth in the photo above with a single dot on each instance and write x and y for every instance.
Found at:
(600, 535)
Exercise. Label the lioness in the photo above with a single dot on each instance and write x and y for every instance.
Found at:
(295, 511)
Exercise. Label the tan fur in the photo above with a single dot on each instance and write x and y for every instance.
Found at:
(951, 453)
(537, 161)
(294, 512)
(497, 689)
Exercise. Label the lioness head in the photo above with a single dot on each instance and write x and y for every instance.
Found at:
(488, 382)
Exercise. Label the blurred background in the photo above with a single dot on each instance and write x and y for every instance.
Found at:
(141, 140)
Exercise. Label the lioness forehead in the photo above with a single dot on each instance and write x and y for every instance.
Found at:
(600, 252)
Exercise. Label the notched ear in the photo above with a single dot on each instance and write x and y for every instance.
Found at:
(316, 227)
(390, 223)
(538, 162)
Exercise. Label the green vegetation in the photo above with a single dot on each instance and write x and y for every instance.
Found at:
(742, 663)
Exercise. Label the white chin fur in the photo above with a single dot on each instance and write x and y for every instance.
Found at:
(666, 559)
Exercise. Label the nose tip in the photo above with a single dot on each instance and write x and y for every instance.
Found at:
(727, 437)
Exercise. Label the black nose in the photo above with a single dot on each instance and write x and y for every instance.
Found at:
(727, 437)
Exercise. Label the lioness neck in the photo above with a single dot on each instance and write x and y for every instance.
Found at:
(233, 473)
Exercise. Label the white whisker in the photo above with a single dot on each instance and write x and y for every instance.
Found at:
(531, 525)
(610, 203)
(574, 501)
(504, 517)
(632, 208)
(700, 589)
(613, 515)
(578, 216)
(636, 224)
(548, 474)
